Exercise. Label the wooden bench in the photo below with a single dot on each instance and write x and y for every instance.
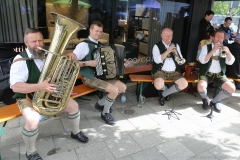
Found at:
(140, 79)
(134, 70)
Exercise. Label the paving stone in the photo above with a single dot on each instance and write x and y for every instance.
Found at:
(122, 147)
(195, 143)
(125, 158)
(96, 151)
(65, 143)
(206, 155)
(50, 127)
(148, 154)
(146, 139)
(11, 136)
(10, 152)
(168, 132)
(143, 122)
(174, 150)
(71, 155)
(186, 125)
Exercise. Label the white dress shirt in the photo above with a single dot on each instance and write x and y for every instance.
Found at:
(19, 69)
(169, 64)
(82, 49)
(215, 66)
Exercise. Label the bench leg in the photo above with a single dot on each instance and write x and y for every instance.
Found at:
(141, 98)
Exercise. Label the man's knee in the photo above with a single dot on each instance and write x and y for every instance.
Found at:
(158, 83)
(229, 87)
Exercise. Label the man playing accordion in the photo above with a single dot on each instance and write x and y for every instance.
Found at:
(83, 53)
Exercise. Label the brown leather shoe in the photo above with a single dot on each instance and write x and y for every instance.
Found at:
(80, 137)
(33, 156)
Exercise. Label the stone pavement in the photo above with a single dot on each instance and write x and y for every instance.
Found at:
(139, 134)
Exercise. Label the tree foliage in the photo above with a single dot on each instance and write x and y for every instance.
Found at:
(224, 8)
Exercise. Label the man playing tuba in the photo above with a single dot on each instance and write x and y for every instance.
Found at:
(24, 76)
(213, 68)
(165, 66)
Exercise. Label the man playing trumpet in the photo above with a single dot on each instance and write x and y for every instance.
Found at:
(167, 65)
(213, 59)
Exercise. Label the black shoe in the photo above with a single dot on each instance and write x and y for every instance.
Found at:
(108, 119)
(33, 156)
(100, 108)
(161, 99)
(80, 137)
(167, 98)
(215, 106)
(205, 104)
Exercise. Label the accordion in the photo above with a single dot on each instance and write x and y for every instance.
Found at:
(110, 61)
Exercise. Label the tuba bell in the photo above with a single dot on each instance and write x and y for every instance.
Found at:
(60, 69)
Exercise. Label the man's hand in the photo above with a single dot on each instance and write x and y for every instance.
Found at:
(92, 63)
(47, 87)
(172, 48)
(217, 46)
(71, 56)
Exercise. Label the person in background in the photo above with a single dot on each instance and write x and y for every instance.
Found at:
(213, 68)
(27, 82)
(205, 25)
(233, 71)
(227, 30)
(166, 67)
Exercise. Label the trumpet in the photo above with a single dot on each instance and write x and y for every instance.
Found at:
(178, 59)
(222, 53)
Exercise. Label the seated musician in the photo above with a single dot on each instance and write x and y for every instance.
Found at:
(83, 53)
(213, 68)
(166, 67)
(24, 76)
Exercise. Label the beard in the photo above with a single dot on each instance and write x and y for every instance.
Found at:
(37, 53)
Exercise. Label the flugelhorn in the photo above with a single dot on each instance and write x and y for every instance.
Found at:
(222, 53)
(178, 59)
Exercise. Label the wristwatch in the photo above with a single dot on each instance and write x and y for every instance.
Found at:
(84, 64)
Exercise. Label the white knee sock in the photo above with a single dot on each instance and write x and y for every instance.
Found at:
(74, 120)
(29, 138)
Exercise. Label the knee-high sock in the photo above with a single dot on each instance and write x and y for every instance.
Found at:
(164, 88)
(102, 101)
(29, 138)
(174, 88)
(74, 120)
(221, 95)
(107, 104)
(203, 94)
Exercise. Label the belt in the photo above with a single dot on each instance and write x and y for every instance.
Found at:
(168, 72)
(218, 75)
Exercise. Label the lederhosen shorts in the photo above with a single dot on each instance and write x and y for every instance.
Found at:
(216, 78)
(97, 84)
(174, 75)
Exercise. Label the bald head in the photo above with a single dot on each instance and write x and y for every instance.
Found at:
(167, 35)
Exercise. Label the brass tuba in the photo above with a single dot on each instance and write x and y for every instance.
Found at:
(62, 71)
